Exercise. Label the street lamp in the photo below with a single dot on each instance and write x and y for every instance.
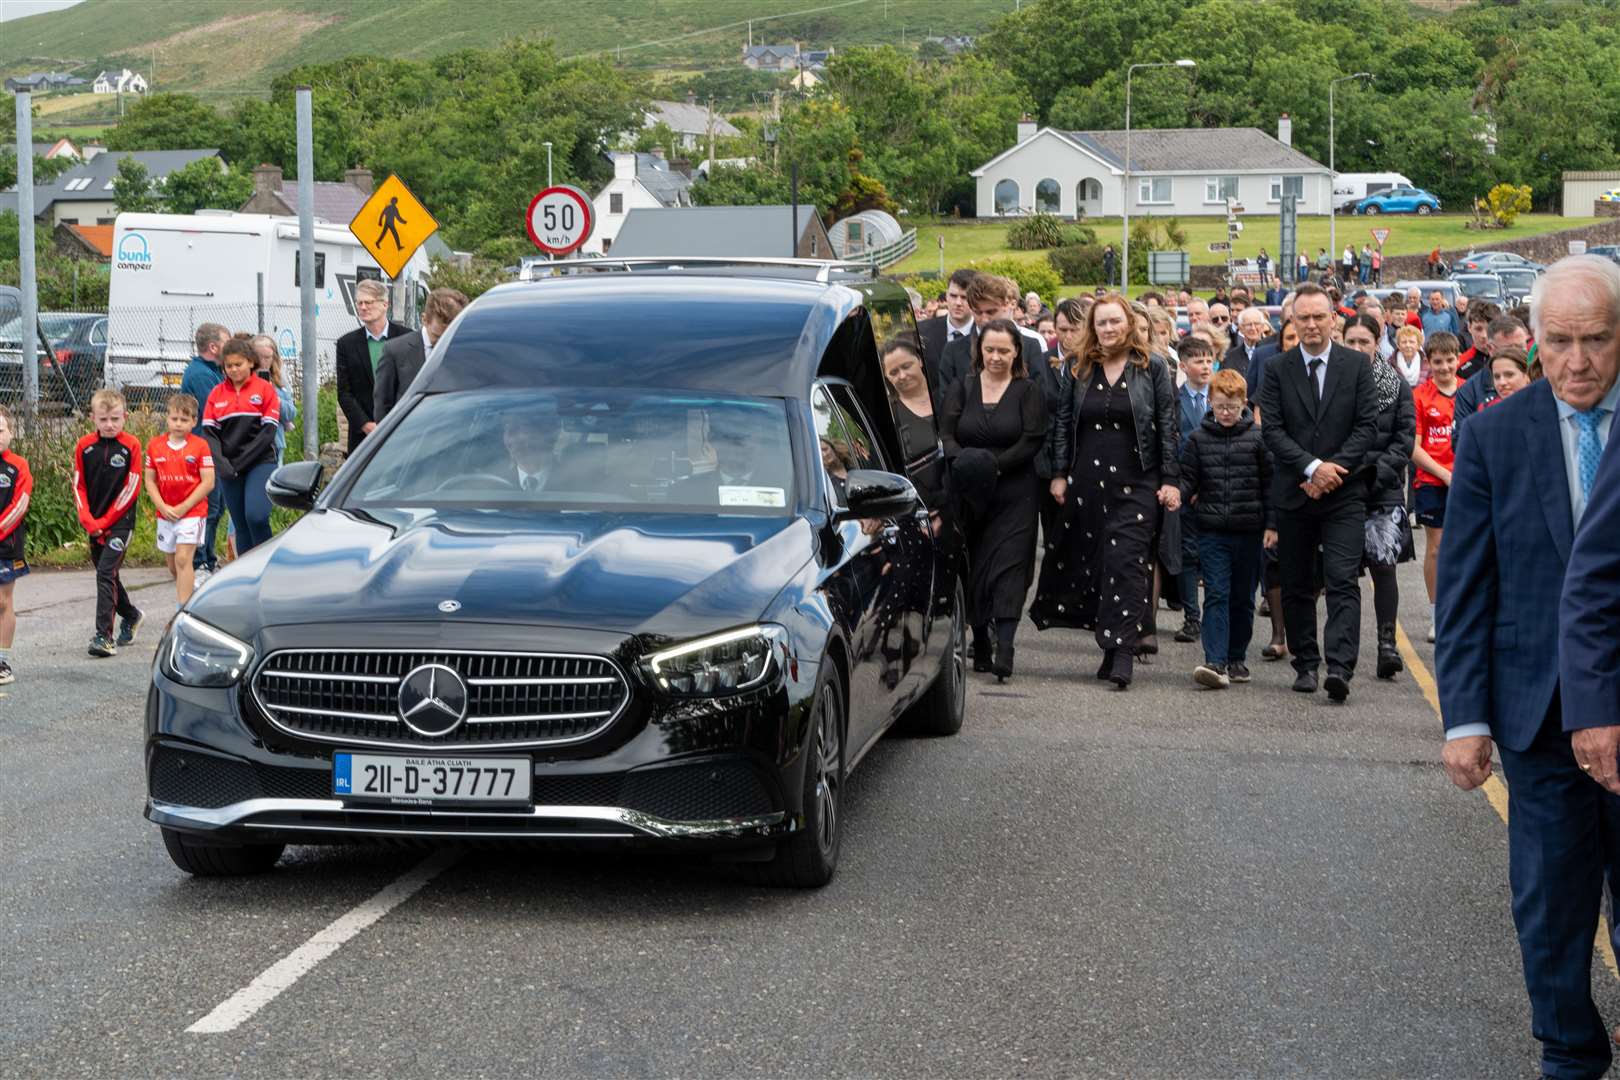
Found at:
(1125, 207)
(1333, 210)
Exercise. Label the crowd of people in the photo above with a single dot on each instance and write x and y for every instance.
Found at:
(1132, 438)
(226, 432)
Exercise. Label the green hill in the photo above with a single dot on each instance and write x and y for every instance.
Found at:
(232, 47)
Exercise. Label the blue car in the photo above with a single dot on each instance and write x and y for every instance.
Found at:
(1400, 200)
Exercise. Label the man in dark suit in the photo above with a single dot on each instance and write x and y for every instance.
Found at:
(1523, 485)
(1197, 361)
(403, 357)
(1321, 418)
(1253, 328)
(957, 322)
(989, 297)
(358, 354)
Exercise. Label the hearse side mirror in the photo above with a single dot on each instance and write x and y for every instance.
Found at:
(872, 493)
(294, 486)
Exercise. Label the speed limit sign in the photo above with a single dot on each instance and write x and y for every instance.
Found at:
(560, 219)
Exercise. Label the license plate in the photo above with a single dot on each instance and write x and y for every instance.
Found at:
(423, 781)
(171, 380)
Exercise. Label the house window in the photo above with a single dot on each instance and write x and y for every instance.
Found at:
(1006, 196)
(1287, 185)
(1153, 189)
(320, 269)
(67, 221)
(607, 244)
(1088, 191)
(1217, 189)
(1047, 198)
(104, 221)
(616, 203)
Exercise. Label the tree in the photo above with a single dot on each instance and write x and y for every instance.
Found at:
(170, 122)
(45, 169)
(134, 190)
(204, 184)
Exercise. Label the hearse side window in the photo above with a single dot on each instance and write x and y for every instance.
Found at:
(843, 440)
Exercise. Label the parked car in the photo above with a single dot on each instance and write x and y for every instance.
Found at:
(1489, 261)
(80, 350)
(1400, 200)
(1608, 251)
(1481, 287)
(685, 633)
(54, 387)
(1350, 188)
(1517, 281)
(1427, 286)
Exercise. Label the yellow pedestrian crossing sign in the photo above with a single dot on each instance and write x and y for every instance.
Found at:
(392, 225)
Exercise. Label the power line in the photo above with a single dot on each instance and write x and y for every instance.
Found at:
(715, 29)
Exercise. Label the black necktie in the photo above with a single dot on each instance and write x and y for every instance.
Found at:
(1316, 387)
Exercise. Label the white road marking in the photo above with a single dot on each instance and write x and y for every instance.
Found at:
(264, 989)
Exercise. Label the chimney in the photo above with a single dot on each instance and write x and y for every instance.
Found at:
(624, 165)
(267, 180)
(683, 166)
(691, 97)
(658, 152)
(359, 177)
(1026, 127)
(1285, 130)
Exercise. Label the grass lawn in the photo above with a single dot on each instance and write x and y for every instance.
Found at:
(1408, 235)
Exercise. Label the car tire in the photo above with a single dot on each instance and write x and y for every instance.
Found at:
(1371, 211)
(941, 708)
(219, 860)
(807, 858)
(1424, 209)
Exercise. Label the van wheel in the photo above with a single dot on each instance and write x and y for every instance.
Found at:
(807, 858)
(939, 711)
(219, 860)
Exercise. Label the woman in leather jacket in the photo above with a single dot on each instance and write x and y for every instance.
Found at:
(1117, 445)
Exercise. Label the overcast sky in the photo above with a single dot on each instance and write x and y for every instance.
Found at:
(16, 9)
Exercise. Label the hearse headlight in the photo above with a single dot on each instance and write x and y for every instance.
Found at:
(199, 655)
(727, 663)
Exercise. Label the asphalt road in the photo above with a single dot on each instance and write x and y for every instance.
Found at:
(1165, 882)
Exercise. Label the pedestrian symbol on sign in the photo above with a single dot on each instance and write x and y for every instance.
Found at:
(390, 214)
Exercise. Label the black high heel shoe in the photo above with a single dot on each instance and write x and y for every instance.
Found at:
(1120, 676)
(1002, 665)
(1107, 665)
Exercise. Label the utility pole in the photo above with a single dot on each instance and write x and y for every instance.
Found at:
(27, 332)
(711, 134)
(308, 364)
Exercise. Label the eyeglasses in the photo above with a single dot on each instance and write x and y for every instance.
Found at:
(1219, 319)
(1229, 407)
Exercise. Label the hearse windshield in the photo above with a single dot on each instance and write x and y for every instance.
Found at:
(653, 450)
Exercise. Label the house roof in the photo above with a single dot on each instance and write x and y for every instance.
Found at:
(779, 51)
(335, 200)
(665, 184)
(688, 119)
(97, 237)
(716, 231)
(1245, 149)
(89, 181)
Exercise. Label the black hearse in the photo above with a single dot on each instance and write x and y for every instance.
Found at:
(590, 583)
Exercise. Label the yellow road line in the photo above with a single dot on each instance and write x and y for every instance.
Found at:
(1495, 791)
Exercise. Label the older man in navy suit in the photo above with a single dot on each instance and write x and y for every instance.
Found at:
(1522, 481)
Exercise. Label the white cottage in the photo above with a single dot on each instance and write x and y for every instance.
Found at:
(640, 182)
(1185, 172)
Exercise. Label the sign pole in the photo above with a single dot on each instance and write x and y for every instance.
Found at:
(27, 276)
(308, 365)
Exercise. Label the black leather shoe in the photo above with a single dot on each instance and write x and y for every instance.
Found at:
(1189, 631)
(1002, 665)
(1337, 687)
(1305, 682)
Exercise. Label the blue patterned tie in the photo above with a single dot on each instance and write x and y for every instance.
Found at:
(1588, 450)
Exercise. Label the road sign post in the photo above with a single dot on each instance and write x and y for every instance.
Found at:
(560, 220)
(1288, 241)
(1379, 236)
(392, 225)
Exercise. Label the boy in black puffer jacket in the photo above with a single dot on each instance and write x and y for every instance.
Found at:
(1226, 478)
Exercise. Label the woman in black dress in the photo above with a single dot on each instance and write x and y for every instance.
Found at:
(1120, 439)
(997, 408)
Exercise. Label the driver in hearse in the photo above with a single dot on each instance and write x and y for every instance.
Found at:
(530, 438)
(741, 462)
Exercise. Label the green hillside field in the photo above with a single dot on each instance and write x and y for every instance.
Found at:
(229, 47)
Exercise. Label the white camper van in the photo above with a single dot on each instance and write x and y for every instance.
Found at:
(171, 272)
(1351, 187)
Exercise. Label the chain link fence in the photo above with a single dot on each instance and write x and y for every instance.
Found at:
(143, 351)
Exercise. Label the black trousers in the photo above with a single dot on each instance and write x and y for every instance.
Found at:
(1337, 531)
(107, 554)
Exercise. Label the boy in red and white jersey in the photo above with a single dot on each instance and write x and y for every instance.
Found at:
(1432, 453)
(106, 486)
(179, 476)
(16, 488)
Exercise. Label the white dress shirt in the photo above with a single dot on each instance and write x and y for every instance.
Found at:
(952, 331)
(538, 478)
